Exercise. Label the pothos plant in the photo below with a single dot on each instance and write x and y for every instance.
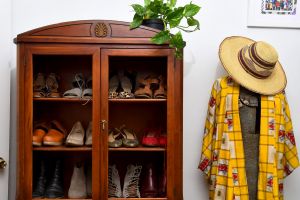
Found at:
(172, 17)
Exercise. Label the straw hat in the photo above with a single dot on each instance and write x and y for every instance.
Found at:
(254, 65)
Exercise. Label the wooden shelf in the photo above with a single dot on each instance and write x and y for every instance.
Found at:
(60, 199)
(149, 149)
(158, 198)
(137, 100)
(62, 148)
(80, 100)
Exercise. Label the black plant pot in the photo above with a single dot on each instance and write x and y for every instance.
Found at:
(154, 23)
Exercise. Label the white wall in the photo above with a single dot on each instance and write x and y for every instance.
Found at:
(218, 19)
(5, 58)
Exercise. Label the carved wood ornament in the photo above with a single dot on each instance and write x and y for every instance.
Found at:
(100, 30)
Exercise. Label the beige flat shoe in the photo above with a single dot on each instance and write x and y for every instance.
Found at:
(89, 135)
(76, 136)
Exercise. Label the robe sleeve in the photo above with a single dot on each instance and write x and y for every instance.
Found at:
(290, 149)
(209, 131)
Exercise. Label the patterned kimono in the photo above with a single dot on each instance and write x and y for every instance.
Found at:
(223, 159)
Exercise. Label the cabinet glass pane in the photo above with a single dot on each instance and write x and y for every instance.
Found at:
(137, 127)
(62, 118)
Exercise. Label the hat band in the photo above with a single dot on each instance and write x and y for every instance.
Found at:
(249, 67)
(258, 60)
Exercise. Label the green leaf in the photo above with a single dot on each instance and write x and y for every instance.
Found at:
(146, 2)
(175, 17)
(191, 10)
(140, 10)
(176, 14)
(172, 3)
(161, 37)
(174, 22)
(137, 21)
(193, 22)
(177, 41)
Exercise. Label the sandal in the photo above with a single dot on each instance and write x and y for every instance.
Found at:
(160, 93)
(52, 86)
(113, 86)
(129, 137)
(126, 86)
(114, 139)
(39, 86)
(88, 92)
(143, 89)
(76, 91)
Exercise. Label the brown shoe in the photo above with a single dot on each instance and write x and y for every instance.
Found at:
(55, 135)
(39, 86)
(39, 132)
(143, 89)
(52, 85)
(161, 92)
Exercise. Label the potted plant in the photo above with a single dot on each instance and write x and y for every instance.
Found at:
(170, 17)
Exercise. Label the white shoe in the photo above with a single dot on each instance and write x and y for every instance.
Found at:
(89, 135)
(76, 136)
(77, 188)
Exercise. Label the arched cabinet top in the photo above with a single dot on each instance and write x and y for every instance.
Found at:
(89, 31)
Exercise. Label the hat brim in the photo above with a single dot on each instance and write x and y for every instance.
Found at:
(228, 53)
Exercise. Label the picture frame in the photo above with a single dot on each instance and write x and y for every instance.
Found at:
(274, 13)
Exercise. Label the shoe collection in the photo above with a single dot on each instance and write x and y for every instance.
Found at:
(48, 87)
(152, 183)
(53, 134)
(49, 181)
(123, 137)
(147, 85)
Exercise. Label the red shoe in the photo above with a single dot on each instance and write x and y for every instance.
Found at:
(151, 138)
(162, 140)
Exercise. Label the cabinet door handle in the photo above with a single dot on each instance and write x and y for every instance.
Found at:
(103, 122)
(2, 163)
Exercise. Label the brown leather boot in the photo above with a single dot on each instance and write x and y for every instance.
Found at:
(149, 183)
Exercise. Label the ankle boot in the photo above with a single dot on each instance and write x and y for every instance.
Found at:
(39, 189)
(131, 182)
(114, 184)
(149, 183)
(55, 186)
(162, 184)
(77, 188)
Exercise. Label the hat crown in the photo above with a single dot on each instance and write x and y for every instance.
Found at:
(266, 52)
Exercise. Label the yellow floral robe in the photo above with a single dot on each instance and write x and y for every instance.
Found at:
(222, 158)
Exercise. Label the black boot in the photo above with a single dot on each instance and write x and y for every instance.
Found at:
(55, 186)
(39, 189)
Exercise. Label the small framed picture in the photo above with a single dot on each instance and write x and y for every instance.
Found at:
(273, 13)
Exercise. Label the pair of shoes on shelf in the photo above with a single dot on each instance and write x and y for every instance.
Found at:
(153, 184)
(81, 184)
(45, 87)
(120, 86)
(150, 87)
(131, 182)
(122, 136)
(51, 134)
(80, 88)
(77, 135)
(154, 138)
(48, 183)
